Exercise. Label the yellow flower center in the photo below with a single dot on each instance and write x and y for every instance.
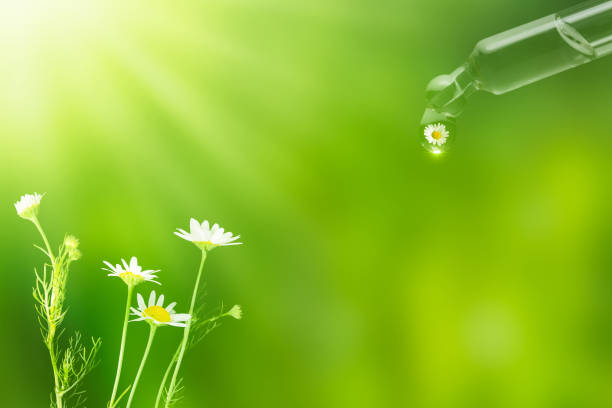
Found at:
(205, 245)
(131, 278)
(436, 135)
(128, 274)
(158, 313)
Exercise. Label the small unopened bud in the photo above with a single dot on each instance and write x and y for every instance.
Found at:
(71, 242)
(235, 312)
(74, 254)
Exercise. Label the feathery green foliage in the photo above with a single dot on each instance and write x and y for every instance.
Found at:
(74, 360)
(201, 327)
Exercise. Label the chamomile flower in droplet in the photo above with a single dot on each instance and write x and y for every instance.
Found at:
(27, 206)
(132, 274)
(156, 314)
(205, 237)
(436, 134)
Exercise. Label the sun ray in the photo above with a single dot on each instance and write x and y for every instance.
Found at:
(209, 127)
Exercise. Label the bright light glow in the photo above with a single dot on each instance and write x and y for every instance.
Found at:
(74, 66)
(28, 19)
(37, 39)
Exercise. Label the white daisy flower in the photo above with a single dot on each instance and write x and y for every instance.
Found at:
(207, 238)
(155, 313)
(436, 134)
(27, 206)
(132, 273)
(235, 312)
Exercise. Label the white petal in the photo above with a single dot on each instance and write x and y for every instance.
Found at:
(183, 234)
(181, 317)
(160, 301)
(152, 298)
(141, 302)
(110, 266)
(186, 237)
(194, 225)
(216, 236)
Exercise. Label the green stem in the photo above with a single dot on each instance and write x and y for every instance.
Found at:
(173, 360)
(186, 333)
(44, 237)
(51, 335)
(122, 348)
(142, 363)
(166, 374)
(58, 392)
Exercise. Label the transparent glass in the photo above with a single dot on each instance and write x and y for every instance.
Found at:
(520, 56)
(542, 48)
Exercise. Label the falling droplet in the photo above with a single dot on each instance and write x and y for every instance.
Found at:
(437, 132)
(437, 137)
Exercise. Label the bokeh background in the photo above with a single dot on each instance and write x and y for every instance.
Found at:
(372, 274)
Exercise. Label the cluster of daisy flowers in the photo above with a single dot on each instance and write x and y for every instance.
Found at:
(153, 312)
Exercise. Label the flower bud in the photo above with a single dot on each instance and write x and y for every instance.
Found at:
(235, 312)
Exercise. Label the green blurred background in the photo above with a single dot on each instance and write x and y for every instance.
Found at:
(372, 274)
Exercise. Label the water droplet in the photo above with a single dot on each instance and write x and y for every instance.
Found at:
(437, 137)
